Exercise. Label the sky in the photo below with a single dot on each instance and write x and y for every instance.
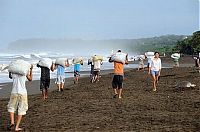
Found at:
(96, 19)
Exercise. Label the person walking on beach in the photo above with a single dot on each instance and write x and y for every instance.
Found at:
(60, 80)
(77, 69)
(118, 77)
(148, 68)
(141, 64)
(44, 80)
(18, 99)
(197, 63)
(176, 63)
(92, 68)
(175, 57)
(96, 72)
(155, 69)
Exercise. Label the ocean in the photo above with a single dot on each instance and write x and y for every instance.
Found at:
(7, 58)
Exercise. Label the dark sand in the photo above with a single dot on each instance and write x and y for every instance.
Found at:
(91, 107)
(33, 87)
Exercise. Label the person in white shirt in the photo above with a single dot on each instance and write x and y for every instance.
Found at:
(18, 99)
(155, 69)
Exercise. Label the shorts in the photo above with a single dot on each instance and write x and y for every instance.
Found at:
(44, 83)
(96, 72)
(18, 103)
(76, 73)
(60, 79)
(154, 73)
(117, 81)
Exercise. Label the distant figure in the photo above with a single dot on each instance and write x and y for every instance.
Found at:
(141, 64)
(176, 62)
(175, 57)
(60, 80)
(155, 69)
(77, 69)
(96, 72)
(149, 59)
(148, 62)
(18, 99)
(118, 77)
(197, 64)
(92, 68)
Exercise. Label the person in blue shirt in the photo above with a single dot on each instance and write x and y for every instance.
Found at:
(60, 80)
(77, 69)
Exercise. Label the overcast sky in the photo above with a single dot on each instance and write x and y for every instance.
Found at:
(96, 19)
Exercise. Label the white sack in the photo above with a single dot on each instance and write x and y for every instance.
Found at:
(119, 57)
(19, 67)
(45, 62)
(61, 61)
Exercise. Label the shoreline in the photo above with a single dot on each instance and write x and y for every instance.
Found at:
(33, 87)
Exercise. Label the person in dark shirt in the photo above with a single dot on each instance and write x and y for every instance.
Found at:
(92, 68)
(44, 81)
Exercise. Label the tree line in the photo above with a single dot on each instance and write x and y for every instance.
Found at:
(189, 45)
(169, 44)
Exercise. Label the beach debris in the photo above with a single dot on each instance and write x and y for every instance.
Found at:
(185, 84)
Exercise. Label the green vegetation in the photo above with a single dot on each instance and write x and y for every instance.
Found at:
(162, 44)
(170, 43)
(189, 45)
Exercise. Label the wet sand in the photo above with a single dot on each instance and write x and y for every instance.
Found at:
(91, 107)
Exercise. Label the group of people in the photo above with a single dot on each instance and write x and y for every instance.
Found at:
(18, 99)
(60, 80)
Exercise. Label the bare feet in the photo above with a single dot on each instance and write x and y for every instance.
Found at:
(19, 129)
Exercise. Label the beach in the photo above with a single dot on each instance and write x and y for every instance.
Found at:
(91, 107)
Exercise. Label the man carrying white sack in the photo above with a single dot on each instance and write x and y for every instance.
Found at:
(77, 61)
(45, 65)
(91, 69)
(97, 66)
(176, 57)
(18, 99)
(141, 62)
(60, 65)
(118, 78)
